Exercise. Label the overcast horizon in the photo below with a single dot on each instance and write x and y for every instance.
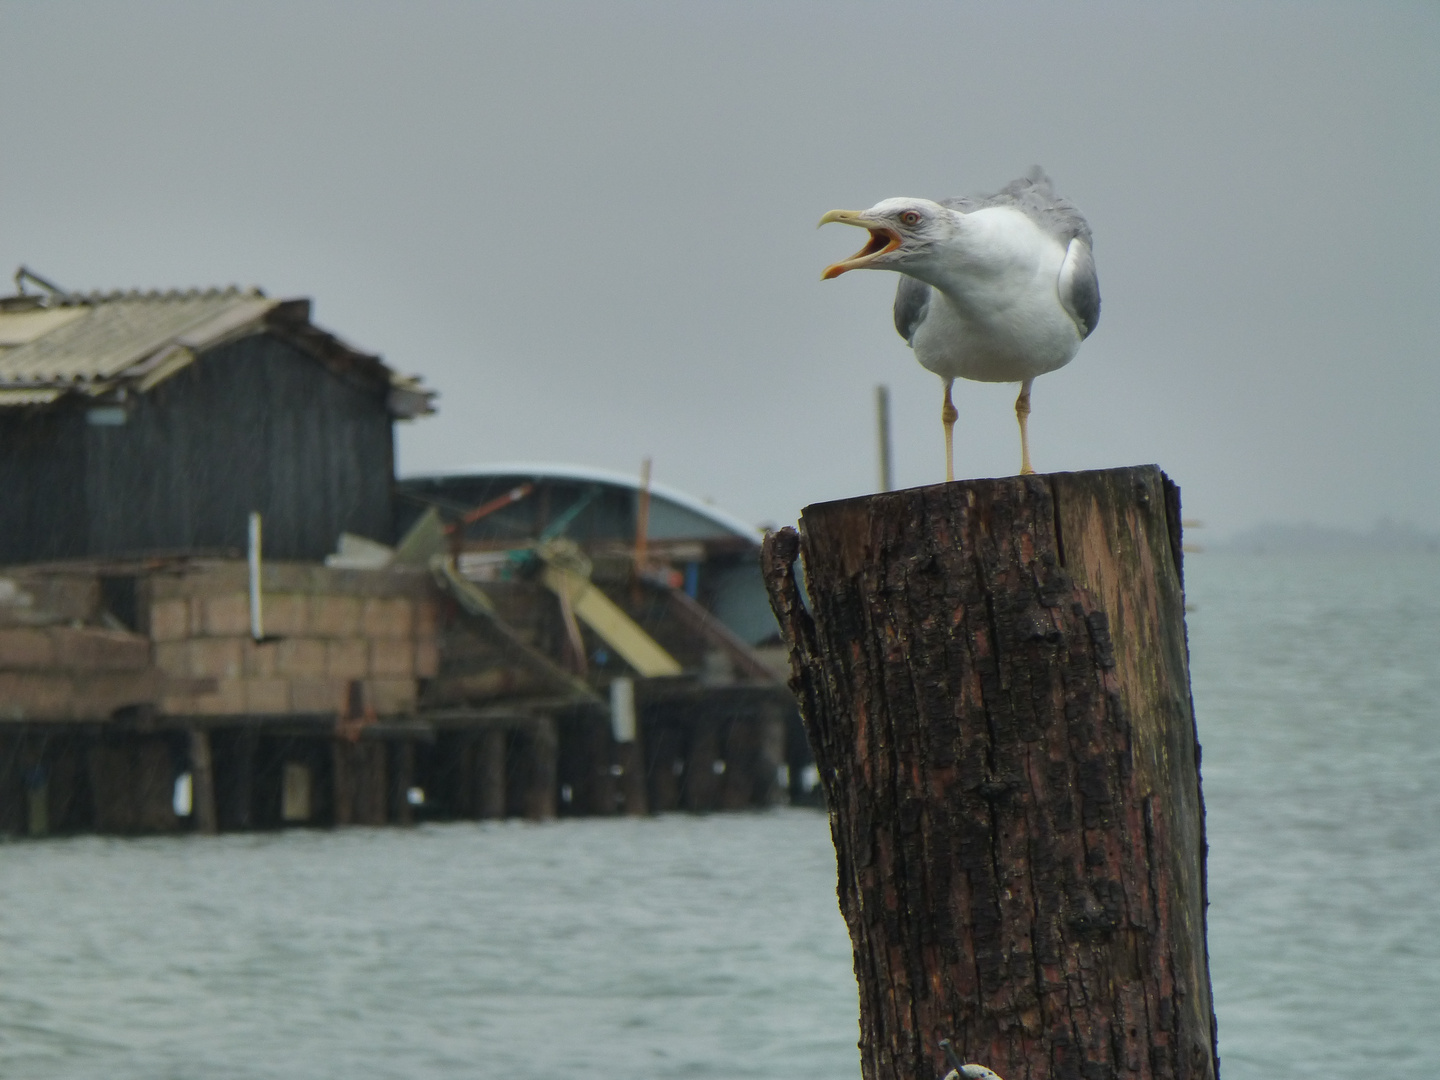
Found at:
(592, 228)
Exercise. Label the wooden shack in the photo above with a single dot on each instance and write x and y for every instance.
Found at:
(144, 423)
(155, 678)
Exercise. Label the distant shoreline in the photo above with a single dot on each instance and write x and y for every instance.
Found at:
(1386, 536)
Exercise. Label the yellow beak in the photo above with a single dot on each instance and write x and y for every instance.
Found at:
(882, 241)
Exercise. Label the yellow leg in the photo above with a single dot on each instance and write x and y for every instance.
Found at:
(1022, 413)
(948, 416)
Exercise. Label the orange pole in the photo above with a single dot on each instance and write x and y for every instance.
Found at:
(485, 509)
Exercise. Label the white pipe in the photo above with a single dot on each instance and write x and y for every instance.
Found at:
(257, 619)
(622, 709)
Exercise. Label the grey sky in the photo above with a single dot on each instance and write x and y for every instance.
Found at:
(591, 227)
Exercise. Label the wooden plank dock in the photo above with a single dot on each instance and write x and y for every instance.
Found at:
(373, 697)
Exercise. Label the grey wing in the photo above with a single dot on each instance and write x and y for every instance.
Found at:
(1079, 286)
(912, 298)
(964, 203)
(1036, 196)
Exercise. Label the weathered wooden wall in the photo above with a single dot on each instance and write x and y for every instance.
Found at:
(42, 472)
(253, 425)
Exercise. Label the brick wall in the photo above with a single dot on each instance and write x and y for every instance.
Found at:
(193, 654)
(72, 672)
(324, 629)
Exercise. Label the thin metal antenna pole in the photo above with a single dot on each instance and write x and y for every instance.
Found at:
(882, 433)
(642, 518)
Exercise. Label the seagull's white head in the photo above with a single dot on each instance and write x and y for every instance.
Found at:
(903, 233)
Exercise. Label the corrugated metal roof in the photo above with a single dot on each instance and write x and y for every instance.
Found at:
(96, 343)
(113, 334)
(21, 327)
(11, 398)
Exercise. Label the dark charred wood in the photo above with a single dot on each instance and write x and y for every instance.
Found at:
(994, 679)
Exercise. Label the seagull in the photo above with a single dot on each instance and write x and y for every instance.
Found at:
(995, 288)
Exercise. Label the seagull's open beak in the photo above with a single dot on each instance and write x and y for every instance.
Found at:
(883, 240)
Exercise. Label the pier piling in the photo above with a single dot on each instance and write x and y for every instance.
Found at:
(993, 675)
(202, 783)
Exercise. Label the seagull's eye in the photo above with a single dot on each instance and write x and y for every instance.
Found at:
(910, 217)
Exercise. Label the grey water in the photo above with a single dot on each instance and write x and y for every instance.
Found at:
(712, 946)
(1317, 695)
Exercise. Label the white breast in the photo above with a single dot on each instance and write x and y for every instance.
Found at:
(995, 313)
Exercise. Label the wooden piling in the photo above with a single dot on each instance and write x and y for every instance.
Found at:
(490, 773)
(202, 783)
(767, 789)
(630, 757)
(584, 764)
(663, 766)
(994, 680)
(12, 785)
(462, 793)
(741, 757)
(754, 751)
(402, 761)
(132, 783)
(37, 798)
(342, 781)
(69, 805)
(700, 790)
(235, 778)
(540, 789)
(371, 778)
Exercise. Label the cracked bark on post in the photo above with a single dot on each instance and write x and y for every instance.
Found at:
(994, 678)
